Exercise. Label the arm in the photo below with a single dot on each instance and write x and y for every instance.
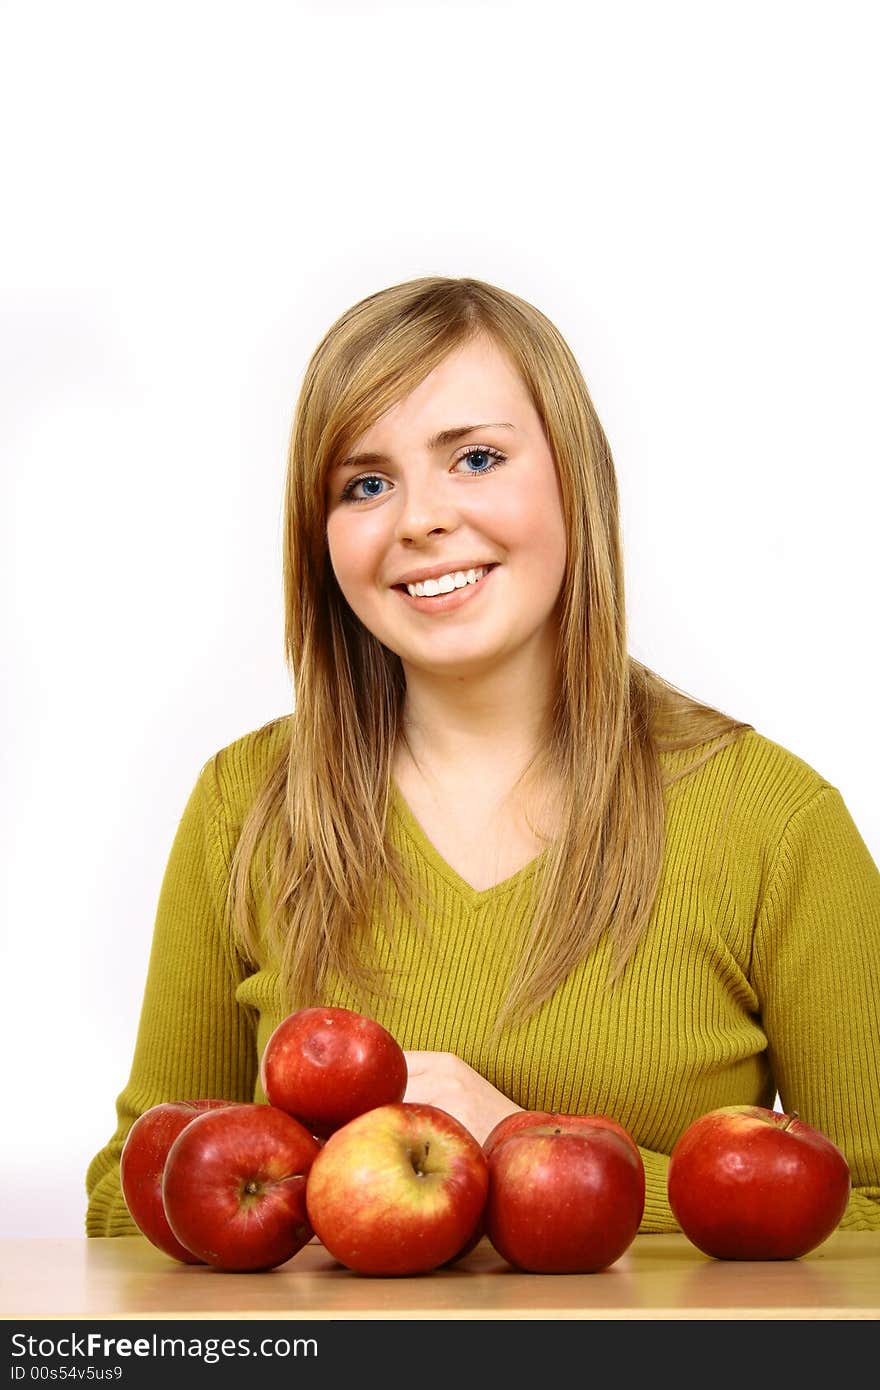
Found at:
(193, 1039)
(816, 969)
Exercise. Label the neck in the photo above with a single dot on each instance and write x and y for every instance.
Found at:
(459, 727)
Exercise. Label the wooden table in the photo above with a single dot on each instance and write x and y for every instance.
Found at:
(660, 1276)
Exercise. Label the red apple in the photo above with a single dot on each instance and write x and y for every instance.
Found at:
(531, 1119)
(398, 1190)
(325, 1066)
(234, 1186)
(140, 1169)
(564, 1200)
(470, 1244)
(748, 1183)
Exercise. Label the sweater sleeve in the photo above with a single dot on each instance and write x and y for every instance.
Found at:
(194, 1040)
(816, 970)
(657, 1217)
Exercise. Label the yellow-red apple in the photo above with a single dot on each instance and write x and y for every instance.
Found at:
(400, 1189)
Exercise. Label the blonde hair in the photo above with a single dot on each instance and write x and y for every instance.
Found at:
(319, 823)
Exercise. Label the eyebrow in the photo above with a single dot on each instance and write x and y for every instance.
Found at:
(437, 441)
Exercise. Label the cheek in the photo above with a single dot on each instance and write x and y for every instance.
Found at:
(549, 524)
(356, 558)
(348, 548)
(536, 532)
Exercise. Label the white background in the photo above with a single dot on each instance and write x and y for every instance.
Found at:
(191, 194)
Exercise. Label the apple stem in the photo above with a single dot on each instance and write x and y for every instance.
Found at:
(788, 1119)
(417, 1161)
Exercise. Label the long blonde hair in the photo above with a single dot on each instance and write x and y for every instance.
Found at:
(318, 825)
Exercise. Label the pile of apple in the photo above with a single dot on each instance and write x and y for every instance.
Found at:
(397, 1188)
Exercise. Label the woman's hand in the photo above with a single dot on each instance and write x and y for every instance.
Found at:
(444, 1080)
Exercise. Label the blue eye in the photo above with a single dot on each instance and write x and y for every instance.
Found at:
(495, 455)
(348, 496)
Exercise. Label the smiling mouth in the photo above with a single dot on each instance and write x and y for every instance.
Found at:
(444, 593)
(448, 600)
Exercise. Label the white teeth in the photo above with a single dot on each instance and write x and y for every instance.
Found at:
(445, 583)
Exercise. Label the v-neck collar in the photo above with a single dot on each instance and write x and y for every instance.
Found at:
(475, 897)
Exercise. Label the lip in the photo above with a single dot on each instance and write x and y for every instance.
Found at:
(419, 576)
(447, 603)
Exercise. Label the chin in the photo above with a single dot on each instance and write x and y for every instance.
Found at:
(456, 660)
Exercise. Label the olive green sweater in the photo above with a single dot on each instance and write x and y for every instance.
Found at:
(758, 973)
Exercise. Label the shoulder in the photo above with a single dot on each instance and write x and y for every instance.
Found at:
(753, 753)
(762, 757)
(762, 782)
(236, 773)
(257, 748)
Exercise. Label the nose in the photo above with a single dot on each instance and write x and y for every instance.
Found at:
(426, 510)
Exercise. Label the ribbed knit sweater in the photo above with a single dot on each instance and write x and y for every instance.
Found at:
(758, 973)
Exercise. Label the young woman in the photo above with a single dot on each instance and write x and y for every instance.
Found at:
(560, 882)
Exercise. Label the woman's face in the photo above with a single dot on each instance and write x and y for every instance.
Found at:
(447, 506)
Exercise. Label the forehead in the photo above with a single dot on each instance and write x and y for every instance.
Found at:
(475, 382)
